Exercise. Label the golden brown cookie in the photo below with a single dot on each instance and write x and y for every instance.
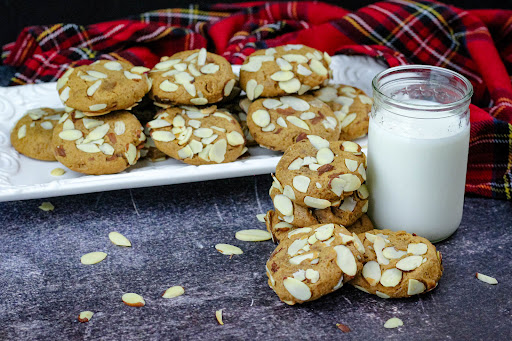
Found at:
(312, 262)
(101, 145)
(194, 77)
(277, 123)
(351, 107)
(398, 264)
(316, 173)
(32, 134)
(198, 136)
(288, 69)
(103, 86)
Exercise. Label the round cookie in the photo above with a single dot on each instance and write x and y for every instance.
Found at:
(312, 262)
(195, 77)
(198, 136)
(277, 123)
(288, 69)
(32, 134)
(351, 107)
(103, 86)
(398, 264)
(102, 145)
(318, 174)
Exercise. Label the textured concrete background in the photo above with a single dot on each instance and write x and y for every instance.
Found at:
(173, 229)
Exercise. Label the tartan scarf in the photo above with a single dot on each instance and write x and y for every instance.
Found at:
(475, 43)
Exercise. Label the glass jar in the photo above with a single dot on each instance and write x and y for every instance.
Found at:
(418, 142)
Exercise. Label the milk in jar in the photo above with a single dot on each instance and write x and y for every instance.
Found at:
(418, 142)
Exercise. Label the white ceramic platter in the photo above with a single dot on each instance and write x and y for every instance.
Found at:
(25, 178)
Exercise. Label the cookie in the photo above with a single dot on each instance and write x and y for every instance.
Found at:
(150, 151)
(351, 107)
(241, 115)
(277, 123)
(350, 209)
(103, 86)
(316, 173)
(312, 262)
(32, 134)
(288, 69)
(198, 136)
(195, 77)
(103, 145)
(398, 264)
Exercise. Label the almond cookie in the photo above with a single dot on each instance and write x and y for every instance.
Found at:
(103, 86)
(351, 107)
(277, 123)
(32, 134)
(288, 69)
(351, 208)
(198, 136)
(312, 262)
(103, 145)
(398, 264)
(318, 174)
(280, 229)
(194, 77)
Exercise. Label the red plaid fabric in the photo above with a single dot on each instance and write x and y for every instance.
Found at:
(476, 43)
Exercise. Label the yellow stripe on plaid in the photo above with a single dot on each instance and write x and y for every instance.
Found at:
(48, 31)
(362, 30)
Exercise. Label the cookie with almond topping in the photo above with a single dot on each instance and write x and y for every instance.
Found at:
(351, 106)
(32, 134)
(312, 262)
(282, 70)
(194, 77)
(398, 264)
(316, 173)
(102, 145)
(277, 123)
(103, 86)
(198, 136)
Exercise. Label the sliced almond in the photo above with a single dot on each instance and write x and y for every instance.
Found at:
(218, 316)
(174, 291)
(131, 154)
(391, 277)
(283, 204)
(199, 101)
(301, 183)
(64, 95)
(166, 65)
(297, 289)
(318, 142)
(324, 232)
(106, 149)
(163, 136)
(318, 67)
(96, 74)
(97, 133)
(417, 248)
(133, 300)
(85, 316)
(118, 239)
(290, 86)
(281, 76)
(409, 263)
(378, 246)
(372, 273)
(253, 235)
(415, 287)
(210, 68)
(392, 253)
(297, 122)
(345, 260)
(316, 203)
(93, 257)
(324, 156)
(297, 58)
(97, 107)
(46, 206)
(486, 279)
(168, 86)
(218, 151)
(304, 71)
(227, 249)
(201, 56)
(283, 64)
(57, 172)
(250, 88)
(229, 87)
(251, 66)
(393, 323)
(365, 99)
(70, 135)
(299, 259)
(235, 138)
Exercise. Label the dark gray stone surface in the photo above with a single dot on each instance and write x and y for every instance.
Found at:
(173, 229)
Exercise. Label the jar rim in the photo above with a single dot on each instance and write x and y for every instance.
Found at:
(435, 107)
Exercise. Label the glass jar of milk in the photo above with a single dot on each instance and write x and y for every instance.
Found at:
(418, 143)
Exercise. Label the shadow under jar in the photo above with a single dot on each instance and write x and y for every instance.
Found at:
(418, 142)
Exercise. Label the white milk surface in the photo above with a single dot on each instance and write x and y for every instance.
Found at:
(417, 184)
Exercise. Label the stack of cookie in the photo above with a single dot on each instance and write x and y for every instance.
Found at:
(319, 182)
(293, 83)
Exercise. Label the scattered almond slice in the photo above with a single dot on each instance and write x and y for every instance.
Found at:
(218, 316)
(227, 249)
(47, 206)
(261, 217)
(133, 300)
(486, 279)
(344, 328)
(118, 239)
(174, 291)
(93, 257)
(85, 316)
(393, 323)
(57, 172)
(253, 235)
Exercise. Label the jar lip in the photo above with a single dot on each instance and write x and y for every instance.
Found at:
(437, 107)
